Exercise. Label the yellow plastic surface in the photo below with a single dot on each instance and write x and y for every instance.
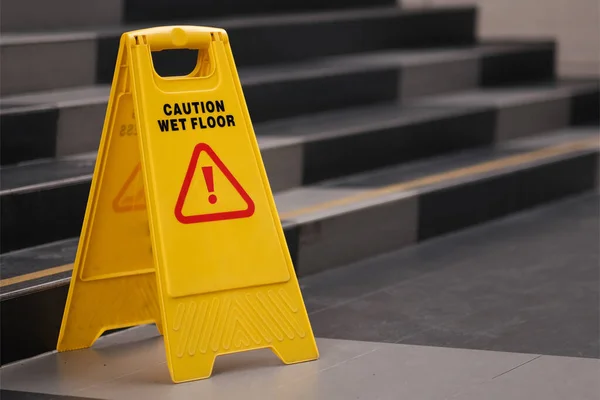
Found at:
(181, 227)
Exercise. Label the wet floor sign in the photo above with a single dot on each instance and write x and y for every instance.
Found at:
(181, 227)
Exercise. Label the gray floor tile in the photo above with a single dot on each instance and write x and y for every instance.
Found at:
(528, 283)
(548, 378)
(405, 372)
(130, 365)
(376, 317)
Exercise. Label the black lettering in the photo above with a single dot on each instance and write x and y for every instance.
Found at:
(194, 122)
(189, 108)
(177, 110)
(220, 106)
(182, 120)
(174, 126)
(195, 104)
(202, 126)
(202, 106)
(167, 109)
(221, 121)
(163, 124)
(211, 122)
(230, 121)
(210, 106)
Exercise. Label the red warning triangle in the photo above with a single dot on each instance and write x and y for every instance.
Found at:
(218, 216)
(131, 196)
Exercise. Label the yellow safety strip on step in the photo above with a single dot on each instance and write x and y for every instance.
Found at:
(35, 275)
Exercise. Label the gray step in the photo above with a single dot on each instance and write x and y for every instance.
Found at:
(345, 220)
(43, 61)
(52, 193)
(304, 150)
(63, 122)
(529, 109)
(39, 15)
(32, 15)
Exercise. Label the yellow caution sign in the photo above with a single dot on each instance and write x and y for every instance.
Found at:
(181, 227)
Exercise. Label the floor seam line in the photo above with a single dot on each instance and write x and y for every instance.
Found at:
(518, 366)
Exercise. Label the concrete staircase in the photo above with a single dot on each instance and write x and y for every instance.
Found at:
(380, 127)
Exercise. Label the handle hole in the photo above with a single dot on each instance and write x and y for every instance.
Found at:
(182, 62)
(178, 62)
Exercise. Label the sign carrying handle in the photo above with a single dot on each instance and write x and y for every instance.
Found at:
(174, 37)
(212, 65)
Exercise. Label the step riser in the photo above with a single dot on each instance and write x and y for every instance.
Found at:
(50, 132)
(74, 127)
(437, 28)
(292, 98)
(35, 332)
(444, 211)
(92, 61)
(31, 322)
(79, 128)
(342, 239)
(157, 10)
(36, 15)
(585, 109)
(43, 216)
(536, 65)
(17, 15)
(28, 136)
(352, 154)
(424, 80)
(46, 66)
(284, 165)
(523, 120)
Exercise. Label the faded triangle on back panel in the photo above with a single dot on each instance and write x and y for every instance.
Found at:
(131, 195)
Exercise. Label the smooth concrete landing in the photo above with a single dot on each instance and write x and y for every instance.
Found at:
(131, 365)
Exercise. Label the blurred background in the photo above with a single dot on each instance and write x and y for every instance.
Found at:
(575, 25)
(434, 163)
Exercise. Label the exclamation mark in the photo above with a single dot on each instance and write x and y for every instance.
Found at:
(210, 183)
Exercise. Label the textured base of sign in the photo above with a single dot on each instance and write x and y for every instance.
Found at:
(132, 301)
(200, 328)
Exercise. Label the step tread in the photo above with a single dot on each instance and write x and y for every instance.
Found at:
(503, 96)
(345, 122)
(232, 22)
(342, 195)
(61, 98)
(47, 173)
(98, 94)
(400, 57)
